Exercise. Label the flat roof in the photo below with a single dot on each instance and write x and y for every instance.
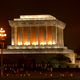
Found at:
(36, 17)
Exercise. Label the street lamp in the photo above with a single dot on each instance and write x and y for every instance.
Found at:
(2, 39)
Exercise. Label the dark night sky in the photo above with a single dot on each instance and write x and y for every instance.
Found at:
(67, 11)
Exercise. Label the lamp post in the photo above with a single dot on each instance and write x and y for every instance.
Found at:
(2, 39)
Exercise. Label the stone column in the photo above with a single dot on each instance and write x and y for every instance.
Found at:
(30, 36)
(62, 38)
(15, 35)
(22, 36)
(56, 35)
(38, 36)
(46, 34)
(52, 35)
(59, 37)
(12, 35)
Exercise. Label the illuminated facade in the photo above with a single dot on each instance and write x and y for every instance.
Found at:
(38, 34)
(37, 30)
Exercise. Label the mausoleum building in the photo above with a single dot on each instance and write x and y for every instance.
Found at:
(38, 34)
